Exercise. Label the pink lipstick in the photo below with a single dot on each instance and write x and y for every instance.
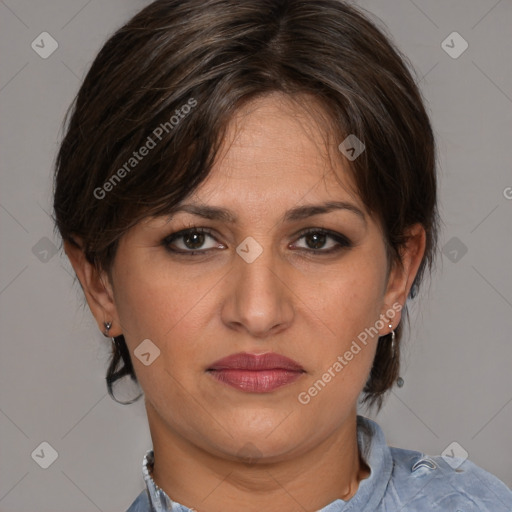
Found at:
(256, 373)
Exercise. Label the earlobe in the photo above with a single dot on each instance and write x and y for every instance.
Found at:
(96, 286)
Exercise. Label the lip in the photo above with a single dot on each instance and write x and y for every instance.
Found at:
(256, 373)
(248, 361)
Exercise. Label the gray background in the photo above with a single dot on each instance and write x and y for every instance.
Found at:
(458, 383)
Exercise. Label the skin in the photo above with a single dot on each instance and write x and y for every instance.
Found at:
(293, 300)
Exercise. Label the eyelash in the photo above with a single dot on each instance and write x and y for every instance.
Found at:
(342, 241)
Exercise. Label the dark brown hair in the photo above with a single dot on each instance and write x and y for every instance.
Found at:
(215, 55)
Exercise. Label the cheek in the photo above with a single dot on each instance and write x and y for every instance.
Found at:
(342, 361)
(346, 307)
(171, 311)
(349, 298)
(152, 302)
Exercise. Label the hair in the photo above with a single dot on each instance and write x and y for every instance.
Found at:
(213, 56)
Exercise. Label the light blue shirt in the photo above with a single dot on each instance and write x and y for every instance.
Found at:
(400, 481)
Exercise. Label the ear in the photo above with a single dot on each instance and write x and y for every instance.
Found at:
(401, 276)
(96, 286)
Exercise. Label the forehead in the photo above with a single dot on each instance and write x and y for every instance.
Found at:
(278, 152)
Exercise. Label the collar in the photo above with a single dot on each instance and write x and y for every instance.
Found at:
(374, 450)
(159, 500)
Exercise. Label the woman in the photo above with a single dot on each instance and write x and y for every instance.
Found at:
(247, 194)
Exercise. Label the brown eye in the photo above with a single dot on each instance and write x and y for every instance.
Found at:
(194, 240)
(317, 239)
(190, 241)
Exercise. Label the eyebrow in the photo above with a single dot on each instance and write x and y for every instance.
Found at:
(297, 213)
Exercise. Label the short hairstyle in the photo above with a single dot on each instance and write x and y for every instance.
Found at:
(171, 79)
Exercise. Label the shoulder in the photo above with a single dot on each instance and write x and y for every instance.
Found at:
(141, 504)
(445, 483)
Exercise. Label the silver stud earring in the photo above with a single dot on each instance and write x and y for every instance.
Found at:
(107, 325)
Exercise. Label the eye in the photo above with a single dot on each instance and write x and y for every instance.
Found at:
(189, 241)
(317, 238)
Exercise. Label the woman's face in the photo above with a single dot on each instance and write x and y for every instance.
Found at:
(257, 283)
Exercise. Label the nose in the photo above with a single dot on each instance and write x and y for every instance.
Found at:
(259, 297)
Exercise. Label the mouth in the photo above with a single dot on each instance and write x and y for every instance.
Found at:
(256, 373)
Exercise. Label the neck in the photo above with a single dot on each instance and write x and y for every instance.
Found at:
(207, 482)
